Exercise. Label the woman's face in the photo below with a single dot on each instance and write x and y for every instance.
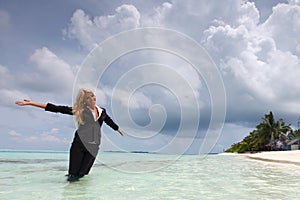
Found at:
(90, 100)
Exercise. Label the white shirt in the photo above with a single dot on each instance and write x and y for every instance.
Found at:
(94, 113)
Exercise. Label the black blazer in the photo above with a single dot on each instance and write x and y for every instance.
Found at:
(90, 131)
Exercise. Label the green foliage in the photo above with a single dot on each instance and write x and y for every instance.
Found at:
(261, 139)
(240, 147)
(294, 134)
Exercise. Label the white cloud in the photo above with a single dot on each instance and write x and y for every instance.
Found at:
(294, 2)
(192, 17)
(51, 74)
(13, 133)
(47, 137)
(8, 96)
(248, 15)
(224, 40)
(284, 27)
(157, 17)
(90, 32)
(260, 60)
(137, 101)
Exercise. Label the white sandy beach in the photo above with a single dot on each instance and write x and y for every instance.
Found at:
(290, 157)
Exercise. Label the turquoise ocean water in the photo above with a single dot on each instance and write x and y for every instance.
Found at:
(41, 175)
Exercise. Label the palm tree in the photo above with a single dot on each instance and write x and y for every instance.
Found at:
(272, 130)
(265, 135)
(294, 134)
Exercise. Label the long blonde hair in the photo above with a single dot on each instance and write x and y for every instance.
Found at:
(79, 105)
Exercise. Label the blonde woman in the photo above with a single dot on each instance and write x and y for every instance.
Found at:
(87, 137)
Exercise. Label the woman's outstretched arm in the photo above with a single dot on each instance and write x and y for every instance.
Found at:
(48, 107)
(31, 103)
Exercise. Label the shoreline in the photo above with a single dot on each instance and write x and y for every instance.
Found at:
(285, 157)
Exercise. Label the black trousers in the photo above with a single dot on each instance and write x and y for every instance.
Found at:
(82, 157)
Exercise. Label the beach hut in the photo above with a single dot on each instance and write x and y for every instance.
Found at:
(294, 144)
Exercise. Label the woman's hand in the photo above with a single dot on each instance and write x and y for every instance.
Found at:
(24, 103)
(120, 132)
(31, 103)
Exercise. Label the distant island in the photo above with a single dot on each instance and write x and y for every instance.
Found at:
(116, 151)
(269, 135)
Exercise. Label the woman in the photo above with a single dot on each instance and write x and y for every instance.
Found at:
(87, 137)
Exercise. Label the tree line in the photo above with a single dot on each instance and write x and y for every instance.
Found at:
(269, 135)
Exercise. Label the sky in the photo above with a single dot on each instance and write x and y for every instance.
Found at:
(159, 99)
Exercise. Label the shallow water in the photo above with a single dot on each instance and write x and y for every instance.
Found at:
(36, 175)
